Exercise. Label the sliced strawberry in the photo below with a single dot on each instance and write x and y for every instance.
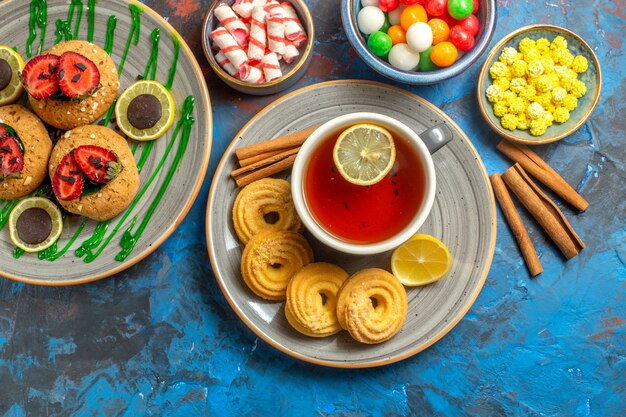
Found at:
(40, 76)
(98, 164)
(68, 182)
(78, 75)
(11, 153)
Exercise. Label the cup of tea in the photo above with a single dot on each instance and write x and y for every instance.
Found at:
(365, 220)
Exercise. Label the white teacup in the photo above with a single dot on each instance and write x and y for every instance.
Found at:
(423, 145)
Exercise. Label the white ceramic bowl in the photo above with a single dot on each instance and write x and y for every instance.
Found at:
(300, 168)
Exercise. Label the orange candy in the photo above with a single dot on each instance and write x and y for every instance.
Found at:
(444, 54)
(412, 14)
(397, 34)
(441, 30)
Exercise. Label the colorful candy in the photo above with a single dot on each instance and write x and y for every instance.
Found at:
(397, 34)
(440, 29)
(444, 54)
(461, 38)
(370, 19)
(379, 43)
(403, 57)
(460, 9)
(419, 34)
(413, 14)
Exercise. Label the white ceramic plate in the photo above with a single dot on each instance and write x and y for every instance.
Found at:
(187, 178)
(463, 217)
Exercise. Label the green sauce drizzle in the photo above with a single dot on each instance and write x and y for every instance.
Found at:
(62, 30)
(52, 254)
(18, 252)
(108, 42)
(133, 36)
(129, 240)
(172, 73)
(38, 19)
(78, 4)
(95, 239)
(5, 211)
(91, 19)
(154, 56)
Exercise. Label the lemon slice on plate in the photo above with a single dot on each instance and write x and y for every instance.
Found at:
(364, 154)
(145, 110)
(35, 223)
(421, 260)
(11, 65)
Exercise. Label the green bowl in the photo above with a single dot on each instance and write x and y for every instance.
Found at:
(586, 104)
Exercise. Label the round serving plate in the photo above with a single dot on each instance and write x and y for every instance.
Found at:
(186, 178)
(463, 217)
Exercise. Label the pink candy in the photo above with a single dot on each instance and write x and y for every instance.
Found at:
(254, 35)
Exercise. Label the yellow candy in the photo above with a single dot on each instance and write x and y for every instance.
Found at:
(508, 55)
(536, 85)
(561, 115)
(509, 121)
(494, 93)
(580, 64)
(578, 89)
(498, 69)
(570, 102)
(499, 109)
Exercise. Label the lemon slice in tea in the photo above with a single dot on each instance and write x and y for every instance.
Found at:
(35, 223)
(11, 65)
(145, 110)
(421, 260)
(364, 154)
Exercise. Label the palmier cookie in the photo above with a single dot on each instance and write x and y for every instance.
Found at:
(372, 305)
(271, 258)
(265, 204)
(311, 306)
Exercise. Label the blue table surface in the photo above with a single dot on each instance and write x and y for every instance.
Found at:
(160, 339)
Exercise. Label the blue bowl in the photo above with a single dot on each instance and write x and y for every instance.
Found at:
(486, 14)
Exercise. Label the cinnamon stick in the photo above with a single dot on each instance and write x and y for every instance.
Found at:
(268, 161)
(517, 227)
(256, 158)
(542, 172)
(282, 143)
(264, 172)
(544, 211)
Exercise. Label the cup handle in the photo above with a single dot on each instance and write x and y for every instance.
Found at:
(436, 137)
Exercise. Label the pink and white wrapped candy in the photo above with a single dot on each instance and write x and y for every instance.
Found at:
(229, 20)
(251, 74)
(293, 27)
(229, 47)
(226, 64)
(271, 67)
(291, 52)
(275, 27)
(243, 8)
(258, 34)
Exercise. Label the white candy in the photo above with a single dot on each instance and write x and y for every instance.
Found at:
(394, 15)
(370, 19)
(403, 57)
(366, 3)
(419, 36)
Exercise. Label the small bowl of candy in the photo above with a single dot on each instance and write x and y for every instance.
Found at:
(258, 47)
(539, 84)
(419, 41)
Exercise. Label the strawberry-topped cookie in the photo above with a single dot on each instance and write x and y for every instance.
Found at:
(93, 172)
(72, 84)
(24, 151)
